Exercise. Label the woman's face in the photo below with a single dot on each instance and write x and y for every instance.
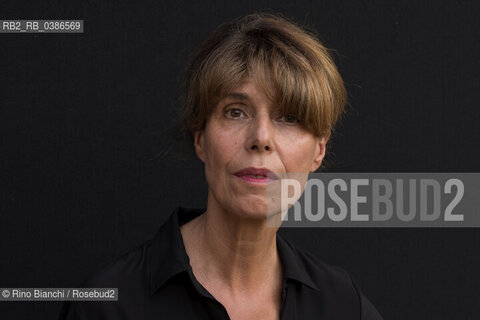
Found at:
(246, 132)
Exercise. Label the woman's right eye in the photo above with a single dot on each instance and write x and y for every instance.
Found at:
(234, 113)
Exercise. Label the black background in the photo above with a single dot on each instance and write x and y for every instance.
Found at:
(88, 172)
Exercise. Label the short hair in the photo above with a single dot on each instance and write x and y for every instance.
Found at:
(292, 66)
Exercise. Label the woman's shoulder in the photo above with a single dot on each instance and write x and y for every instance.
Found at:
(125, 273)
(331, 280)
(161, 254)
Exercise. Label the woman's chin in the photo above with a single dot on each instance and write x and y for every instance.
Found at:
(253, 208)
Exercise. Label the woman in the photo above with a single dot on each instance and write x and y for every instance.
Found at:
(262, 96)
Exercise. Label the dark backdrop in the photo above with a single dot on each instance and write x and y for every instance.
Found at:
(86, 171)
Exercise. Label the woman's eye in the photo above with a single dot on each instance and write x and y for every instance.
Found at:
(234, 113)
(290, 118)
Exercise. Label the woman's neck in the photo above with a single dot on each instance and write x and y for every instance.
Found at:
(240, 253)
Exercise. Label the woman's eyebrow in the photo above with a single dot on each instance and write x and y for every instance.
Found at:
(237, 95)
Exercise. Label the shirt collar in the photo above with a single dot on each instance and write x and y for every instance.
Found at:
(167, 256)
(294, 266)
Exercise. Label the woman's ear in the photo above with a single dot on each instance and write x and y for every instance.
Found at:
(198, 142)
(321, 149)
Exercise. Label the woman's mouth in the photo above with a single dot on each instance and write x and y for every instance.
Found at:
(256, 175)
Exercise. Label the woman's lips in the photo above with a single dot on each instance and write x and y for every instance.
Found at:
(256, 179)
(256, 175)
(256, 172)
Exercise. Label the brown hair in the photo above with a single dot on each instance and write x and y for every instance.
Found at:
(289, 63)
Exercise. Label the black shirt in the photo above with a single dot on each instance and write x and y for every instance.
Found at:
(155, 281)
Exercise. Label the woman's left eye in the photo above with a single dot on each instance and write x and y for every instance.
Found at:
(289, 118)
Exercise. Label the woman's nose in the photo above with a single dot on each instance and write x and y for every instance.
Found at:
(261, 135)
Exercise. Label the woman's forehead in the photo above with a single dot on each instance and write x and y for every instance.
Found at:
(249, 89)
